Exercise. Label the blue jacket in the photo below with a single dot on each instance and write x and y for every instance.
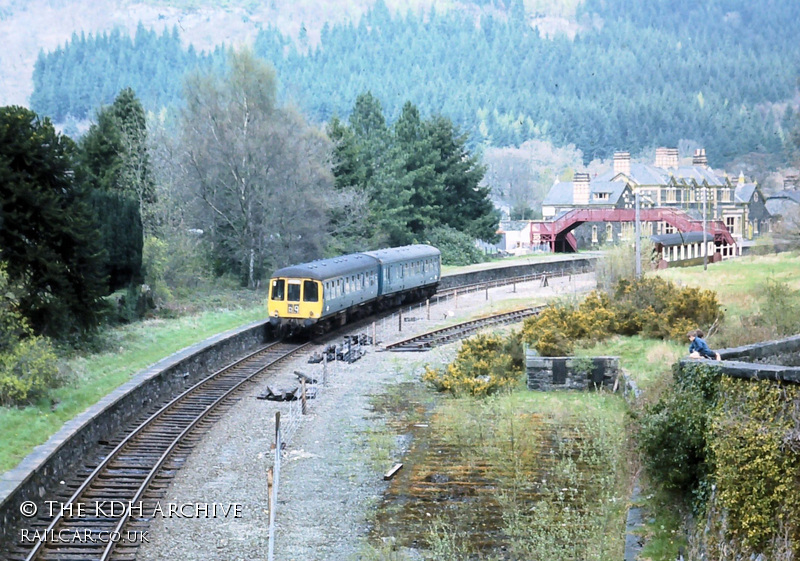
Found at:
(701, 347)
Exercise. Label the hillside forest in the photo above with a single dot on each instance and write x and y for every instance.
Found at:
(721, 75)
(201, 166)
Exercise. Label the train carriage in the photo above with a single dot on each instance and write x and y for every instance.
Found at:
(411, 267)
(302, 295)
(328, 291)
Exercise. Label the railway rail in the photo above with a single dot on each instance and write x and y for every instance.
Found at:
(137, 468)
(138, 463)
(426, 341)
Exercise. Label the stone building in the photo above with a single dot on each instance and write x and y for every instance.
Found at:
(739, 204)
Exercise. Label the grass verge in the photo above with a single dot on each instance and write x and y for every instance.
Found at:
(739, 282)
(132, 348)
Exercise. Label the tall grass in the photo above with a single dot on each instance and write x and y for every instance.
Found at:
(556, 464)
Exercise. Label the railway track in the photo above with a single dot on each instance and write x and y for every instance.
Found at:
(446, 335)
(135, 469)
(109, 508)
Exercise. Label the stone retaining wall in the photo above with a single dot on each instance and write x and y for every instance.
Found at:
(40, 472)
(771, 360)
(67, 450)
(558, 373)
(784, 352)
(535, 268)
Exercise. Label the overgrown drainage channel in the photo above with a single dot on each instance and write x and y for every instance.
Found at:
(455, 491)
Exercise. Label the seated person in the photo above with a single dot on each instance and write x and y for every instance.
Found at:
(698, 348)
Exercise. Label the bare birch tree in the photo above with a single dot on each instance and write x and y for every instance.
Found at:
(261, 171)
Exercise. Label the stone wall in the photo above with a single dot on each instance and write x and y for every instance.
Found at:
(783, 352)
(558, 373)
(535, 268)
(68, 449)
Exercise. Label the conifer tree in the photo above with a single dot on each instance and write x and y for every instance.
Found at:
(48, 240)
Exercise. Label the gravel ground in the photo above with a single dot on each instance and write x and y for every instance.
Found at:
(327, 486)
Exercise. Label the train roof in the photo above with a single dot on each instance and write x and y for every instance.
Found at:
(324, 269)
(405, 253)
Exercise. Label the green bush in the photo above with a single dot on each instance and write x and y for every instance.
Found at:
(457, 247)
(757, 464)
(780, 306)
(652, 306)
(485, 364)
(28, 364)
(673, 431)
(27, 371)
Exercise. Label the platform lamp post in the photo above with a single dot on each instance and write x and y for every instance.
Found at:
(637, 235)
(704, 194)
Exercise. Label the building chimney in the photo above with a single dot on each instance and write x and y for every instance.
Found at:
(666, 158)
(622, 163)
(580, 189)
(699, 158)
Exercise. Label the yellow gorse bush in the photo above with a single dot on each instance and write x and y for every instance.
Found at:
(652, 306)
(485, 364)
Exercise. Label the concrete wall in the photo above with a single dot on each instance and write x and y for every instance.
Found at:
(67, 451)
(558, 373)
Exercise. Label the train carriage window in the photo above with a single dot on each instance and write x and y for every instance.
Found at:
(294, 291)
(278, 288)
(310, 291)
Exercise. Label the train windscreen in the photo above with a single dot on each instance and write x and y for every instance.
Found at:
(278, 287)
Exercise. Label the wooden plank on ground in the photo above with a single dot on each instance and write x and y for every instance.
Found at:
(391, 473)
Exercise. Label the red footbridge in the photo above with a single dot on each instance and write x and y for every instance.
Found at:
(558, 233)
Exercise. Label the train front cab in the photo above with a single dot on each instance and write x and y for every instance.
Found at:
(294, 302)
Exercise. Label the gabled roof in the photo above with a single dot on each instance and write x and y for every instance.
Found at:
(744, 192)
(648, 174)
(559, 194)
(791, 195)
(562, 193)
(615, 189)
(641, 174)
(698, 174)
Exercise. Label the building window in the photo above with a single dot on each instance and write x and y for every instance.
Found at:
(669, 228)
(601, 196)
(730, 223)
(609, 232)
(594, 234)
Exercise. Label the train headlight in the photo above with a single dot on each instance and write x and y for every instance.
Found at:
(311, 314)
(275, 313)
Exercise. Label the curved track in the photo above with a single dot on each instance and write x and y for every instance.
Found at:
(446, 335)
(128, 475)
